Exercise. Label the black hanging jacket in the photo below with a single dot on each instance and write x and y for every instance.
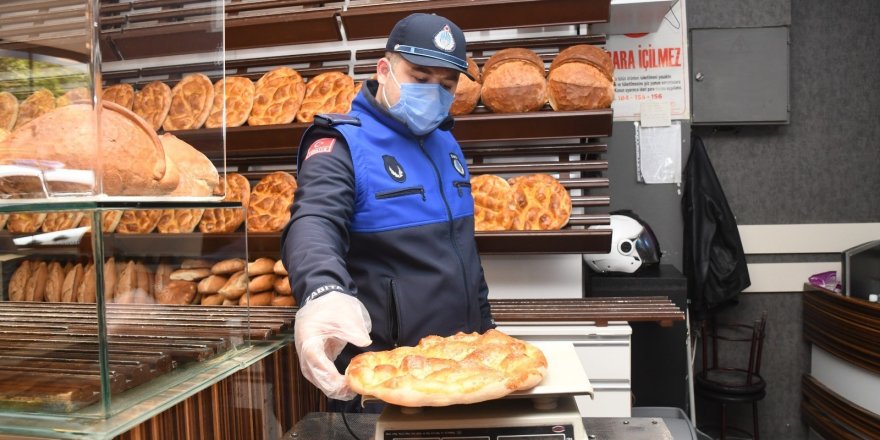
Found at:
(714, 261)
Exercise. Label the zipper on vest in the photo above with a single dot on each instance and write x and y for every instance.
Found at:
(459, 184)
(402, 192)
(451, 228)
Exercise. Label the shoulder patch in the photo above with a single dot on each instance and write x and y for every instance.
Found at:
(320, 146)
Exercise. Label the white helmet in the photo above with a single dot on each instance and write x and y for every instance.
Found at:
(633, 245)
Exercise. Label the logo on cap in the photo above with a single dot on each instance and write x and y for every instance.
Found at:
(444, 40)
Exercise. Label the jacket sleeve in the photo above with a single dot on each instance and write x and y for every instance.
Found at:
(487, 321)
(315, 241)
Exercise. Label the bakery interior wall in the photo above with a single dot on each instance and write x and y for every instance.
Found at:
(820, 168)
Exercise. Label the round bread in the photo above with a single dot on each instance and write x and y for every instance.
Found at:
(277, 97)
(226, 220)
(235, 287)
(54, 283)
(8, 110)
(211, 285)
(230, 266)
(74, 95)
(121, 94)
(18, 282)
(109, 220)
(25, 223)
(542, 203)
(283, 301)
(494, 207)
(581, 78)
(238, 92)
(467, 94)
(256, 299)
(72, 280)
(261, 266)
(261, 283)
(329, 92)
(61, 220)
(139, 221)
(282, 286)
(177, 221)
(190, 274)
(177, 293)
(459, 369)
(279, 268)
(270, 202)
(39, 103)
(191, 101)
(152, 103)
(513, 81)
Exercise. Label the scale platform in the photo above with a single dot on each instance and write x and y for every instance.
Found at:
(545, 412)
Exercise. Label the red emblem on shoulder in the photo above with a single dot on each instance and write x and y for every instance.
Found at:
(320, 146)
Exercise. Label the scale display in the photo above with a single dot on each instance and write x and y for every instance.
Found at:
(549, 432)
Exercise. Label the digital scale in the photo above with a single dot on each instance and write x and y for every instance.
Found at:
(545, 412)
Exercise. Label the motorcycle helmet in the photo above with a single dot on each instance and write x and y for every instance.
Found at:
(633, 246)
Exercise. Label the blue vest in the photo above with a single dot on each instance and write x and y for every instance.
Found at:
(402, 181)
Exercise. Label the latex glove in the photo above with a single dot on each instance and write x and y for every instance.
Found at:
(322, 328)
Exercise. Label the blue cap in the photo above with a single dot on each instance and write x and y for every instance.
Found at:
(430, 40)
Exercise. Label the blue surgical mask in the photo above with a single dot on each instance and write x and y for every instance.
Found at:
(422, 107)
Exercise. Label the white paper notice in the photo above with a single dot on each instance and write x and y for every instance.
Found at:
(656, 114)
(658, 154)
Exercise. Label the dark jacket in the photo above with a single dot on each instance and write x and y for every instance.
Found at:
(387, 217)
(714, 261)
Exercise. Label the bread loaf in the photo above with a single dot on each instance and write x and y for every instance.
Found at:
(191, 101)
(494, 206)
(54, 282)
(256, 299)
(190, 274)
(110, 279)
(226, 220)
(229, 266)
(212, 300)
(282, 286)
(35, 289)
(152, 103)
(467, 93)
(78, 94)
(283, 301)
(86, 291)
(211, 285)
(37, 104)
(238, 93)
(126, 284)
(198, 176)
(8, 111)
(139, 221)
(25, 223)
(179, 221)
(196, 263)
(18, 281)
(144, 279)
(270, 202)
(120, 94)
(513, 81)
(236, 286)
(261, 266)
(542, 203)
(329, 92)
(279, 268)
(277, 97)
(162, 276)
(261, 283)
(61, 220)
(581, 78)
(177, 292)
(3, 219)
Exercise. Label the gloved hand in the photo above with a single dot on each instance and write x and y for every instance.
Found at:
(322, 328)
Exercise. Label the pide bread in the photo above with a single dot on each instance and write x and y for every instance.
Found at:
(329, 92)
(176, 221)
(25, 223)
(277, 97)
(542, 203)
(581, 78)
(8, 111)
(494, 207)
(120, 94)
(61, 220)
(18, 281)
(270, 202)
(73, 95)
(37, 104)
(229, 266)
(54, 283)
(226, 220)
(109, 220)
(261, 266)
(513, 81)
(459, 369)
(467, 93)
(238, 92)
(198, 176)
(138, 221)
(191, 101)
(152, 103)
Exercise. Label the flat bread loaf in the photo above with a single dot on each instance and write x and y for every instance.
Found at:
(8, 111)
(542, 203)
(467, 94)
(191, 101)
(329, 92)
(39, 103)
(177, 221)
(513, 81)
(152, 103)
(73, 95)
(238, 92)
(109, 220)
(62, 220)
(25, 223)
(226, 220)
(494, 206)
(277, 97)
(581, 78)
(138, 221)
(120, 94)
(270, 202)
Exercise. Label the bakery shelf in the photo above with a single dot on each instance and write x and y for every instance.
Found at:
(372, 19)
(658, 309)
(282, 140)
(109, 203)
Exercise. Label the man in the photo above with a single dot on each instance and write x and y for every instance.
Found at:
(381, 245)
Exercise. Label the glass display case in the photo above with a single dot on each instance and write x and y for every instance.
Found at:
(66, 132)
